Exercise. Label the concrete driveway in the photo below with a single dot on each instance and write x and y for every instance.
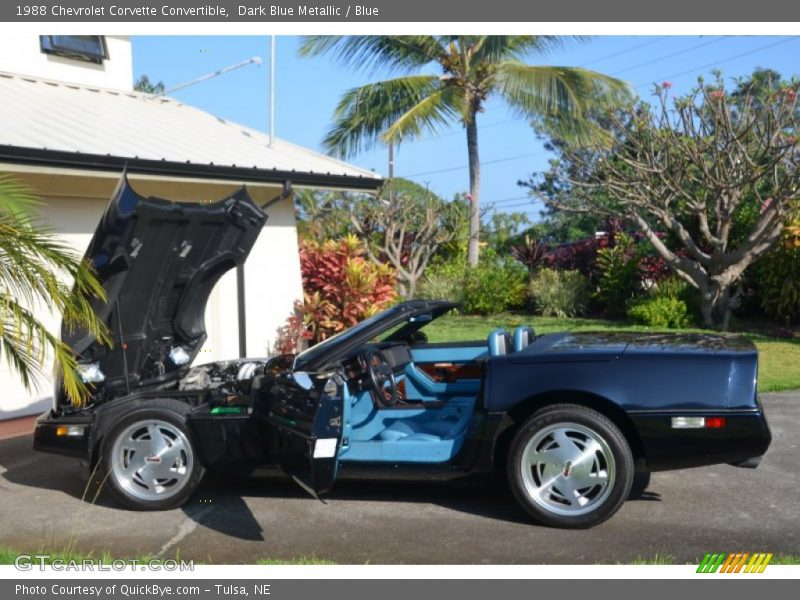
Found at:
(683, 514)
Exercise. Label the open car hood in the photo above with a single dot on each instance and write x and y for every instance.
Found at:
(158, 262)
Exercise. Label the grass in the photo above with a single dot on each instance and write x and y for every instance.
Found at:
(779, 359)
(666, 559)
(300, 560)
(7, 556)
(658, 559)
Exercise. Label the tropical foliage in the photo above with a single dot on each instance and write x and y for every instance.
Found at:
(37, 272)
(470, 70)
(560, 294)
(715, 170)
(341, 288)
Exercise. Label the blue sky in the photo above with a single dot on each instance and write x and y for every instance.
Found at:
(307, 91)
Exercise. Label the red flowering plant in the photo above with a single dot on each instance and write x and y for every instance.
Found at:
(341, 287)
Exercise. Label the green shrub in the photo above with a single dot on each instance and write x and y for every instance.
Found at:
(441, 284)
(778, 277)
(620, 281)
(660, 311)
(559, 293)
(675, 287)
(495, 286)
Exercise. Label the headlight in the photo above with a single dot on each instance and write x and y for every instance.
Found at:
(179, 356)
(91, 373)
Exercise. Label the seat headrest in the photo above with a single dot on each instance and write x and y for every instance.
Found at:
(500, 342)
(523, 336)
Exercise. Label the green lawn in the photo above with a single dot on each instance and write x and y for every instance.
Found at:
(662, 559)
(779, 365)
(300, 560)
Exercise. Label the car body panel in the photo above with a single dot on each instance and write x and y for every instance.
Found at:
(158, 262)
(635, 371)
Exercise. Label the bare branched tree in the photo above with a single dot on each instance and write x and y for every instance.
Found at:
(697, 167)
(406, 229)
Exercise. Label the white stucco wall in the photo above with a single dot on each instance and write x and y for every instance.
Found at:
(21, 53)
(73, 205)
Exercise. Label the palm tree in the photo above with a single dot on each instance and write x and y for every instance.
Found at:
(470, 69)
(34, 272)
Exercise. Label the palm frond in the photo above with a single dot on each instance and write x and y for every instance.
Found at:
(437, 109)
(365, 113)
(374, 53)
(15, 197)
(39, 271)
(560, 95)
(496, 48)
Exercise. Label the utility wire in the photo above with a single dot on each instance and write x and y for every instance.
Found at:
(671, 55)
(695, 69)
(625, 51)
(725, 60)
(637, 86)
(488, 162)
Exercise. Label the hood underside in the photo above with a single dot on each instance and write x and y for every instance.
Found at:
(158, 262)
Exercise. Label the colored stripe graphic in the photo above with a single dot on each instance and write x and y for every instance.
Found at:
(736, 562)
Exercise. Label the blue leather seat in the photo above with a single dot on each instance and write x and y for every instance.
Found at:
(499, 342)
(523, 336)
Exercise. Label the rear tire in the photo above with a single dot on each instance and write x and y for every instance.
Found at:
(570, 466)
(149, 460)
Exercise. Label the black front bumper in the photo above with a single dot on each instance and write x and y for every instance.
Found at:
(47, 437)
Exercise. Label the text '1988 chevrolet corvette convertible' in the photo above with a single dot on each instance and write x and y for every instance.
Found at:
(571, 419)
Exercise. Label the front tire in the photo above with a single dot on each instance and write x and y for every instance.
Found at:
(149, 459)
(570, 466)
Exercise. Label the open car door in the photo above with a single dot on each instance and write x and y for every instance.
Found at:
(303, 414)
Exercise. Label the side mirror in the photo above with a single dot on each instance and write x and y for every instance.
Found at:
(418, 337)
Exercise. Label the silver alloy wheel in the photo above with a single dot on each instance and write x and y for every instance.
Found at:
(568, 469)
(152, 460)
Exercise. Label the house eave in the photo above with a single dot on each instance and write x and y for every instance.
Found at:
(135, 165)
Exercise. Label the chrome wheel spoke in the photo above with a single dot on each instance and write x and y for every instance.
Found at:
(567, 469)
(157, 441)
(152, 460)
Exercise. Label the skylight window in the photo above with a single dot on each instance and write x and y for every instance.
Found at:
(91, 48)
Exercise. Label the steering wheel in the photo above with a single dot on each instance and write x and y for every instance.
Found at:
(380, 374)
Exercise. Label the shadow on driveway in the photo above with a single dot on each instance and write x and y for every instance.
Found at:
(219, 504)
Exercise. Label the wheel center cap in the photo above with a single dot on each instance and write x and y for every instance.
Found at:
(567, 469)
(152, 459)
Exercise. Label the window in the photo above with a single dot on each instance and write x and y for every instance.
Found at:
(91, 48)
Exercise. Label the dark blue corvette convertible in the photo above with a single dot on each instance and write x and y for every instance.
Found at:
(571, 419)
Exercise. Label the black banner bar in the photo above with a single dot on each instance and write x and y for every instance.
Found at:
(441, 11)
(732, 588)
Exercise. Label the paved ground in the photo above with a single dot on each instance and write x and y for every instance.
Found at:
(683, 514)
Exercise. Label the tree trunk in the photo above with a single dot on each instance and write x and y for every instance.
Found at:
(473, 247)
(716, 306)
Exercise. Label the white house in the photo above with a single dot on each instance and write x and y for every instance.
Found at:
(70, 123)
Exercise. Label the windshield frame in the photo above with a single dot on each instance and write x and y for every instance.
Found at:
(338, 346)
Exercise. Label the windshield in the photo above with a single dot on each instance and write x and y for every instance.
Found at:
(343, 337)
(336, 347)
